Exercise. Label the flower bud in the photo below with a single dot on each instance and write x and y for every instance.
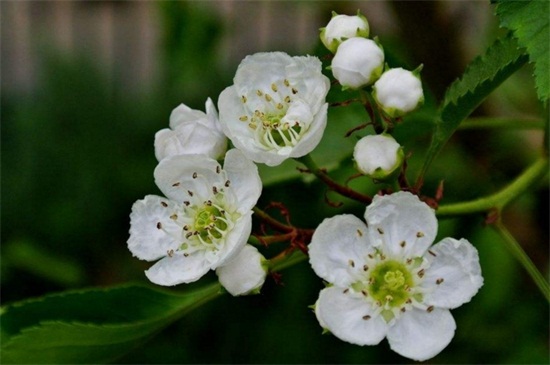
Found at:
(358, 62)
(192, 132)
(245, 274)
(398, 92)
(378, 156)
(342, 27)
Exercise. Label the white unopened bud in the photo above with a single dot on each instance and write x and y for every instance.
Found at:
(342, 27)
(245, 274)
(398, 91)
(378, 156)
(358, 62)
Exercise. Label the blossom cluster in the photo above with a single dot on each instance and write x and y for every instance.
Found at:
(385, 280)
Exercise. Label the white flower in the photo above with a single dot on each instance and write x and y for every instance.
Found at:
(204, 221)
(378, 155)
(341, 27)
(192, 132)
(358, 62)
(388, 281)
(245, 274)
(398, 92)
(276, 107)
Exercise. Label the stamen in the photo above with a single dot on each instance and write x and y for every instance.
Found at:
(176, 184)
(380, 230)
(365, 267)
(420, 273)
(294, 91)
(345, 291)
(186, 203)
(174, 217)
(286, 82)
(243, 118)
(403, 243)
(159, 225)
(214, 190)
(274, 87)
(259, 93)
(287, 99)
(364, 292)
(419, 234)
(190, 192)
(268, 98)
(218, 169)
(430, 308)
(432, 253)
(163, 204)
(367, 317)
(360, 233)
(170, 253)
(351, 263)
(227, 183)
(194, 175)
(439, 281)
(243, 98)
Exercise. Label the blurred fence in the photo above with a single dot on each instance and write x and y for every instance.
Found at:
(124, 37)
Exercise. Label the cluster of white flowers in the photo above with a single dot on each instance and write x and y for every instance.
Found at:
(384, 278)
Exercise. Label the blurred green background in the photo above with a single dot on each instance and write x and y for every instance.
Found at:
(85, 85)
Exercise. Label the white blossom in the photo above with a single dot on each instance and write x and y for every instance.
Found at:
(204, 221)
(398, 92)
(245, 274)
(276, 107)
(386, 279)
(378, 155)
(192, 132)
(358, 62)
(342, 27)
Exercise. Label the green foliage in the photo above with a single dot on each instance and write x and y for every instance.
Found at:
(91, 326)
(483, 75)
(530, 22)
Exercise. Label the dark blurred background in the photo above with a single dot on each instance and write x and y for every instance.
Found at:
(85, 85)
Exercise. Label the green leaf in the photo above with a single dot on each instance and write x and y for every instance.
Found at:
(91, 326)
(481, 77)
(529, 20)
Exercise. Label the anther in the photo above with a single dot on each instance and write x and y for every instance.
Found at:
(366, 318)
(218, 169)
(159, 225)
(439, 281)
(259, 92)
(176, 184)
(294, 91)
(409, 261)
(274, 87)
(243, 118)
(365, 267)
(430, 308)
(389, 298)
(346, 291)
(243, 98)
(286, 82)
(287, 99)
(186, 227)
(190, 192)
(227, 183)
(432, 253)
(280, 106)
(208, 202)
(186, 203)
(268, 97)
(380, 230)
(370, 256)
(194, 175)
(403, 243)
(351, 263)
(189, 234)
(382, 257)
(420, 273)
(252, 125)
(403, 309)
(214, 189)
(419, 234)
(409, 301)
(364, 292)
(163, 204)
(186, 254)
(174, 217)
(170, 253)
(360, 233)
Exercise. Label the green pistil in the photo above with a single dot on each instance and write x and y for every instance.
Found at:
(206, 222)
(389, 283)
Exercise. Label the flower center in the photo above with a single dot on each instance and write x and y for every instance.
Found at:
(208, 224)
(390, 283)
(267, 123)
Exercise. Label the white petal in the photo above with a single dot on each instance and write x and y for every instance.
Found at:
(401, 217)
(174, 177)
(349, 318)
(178, 269)
(420, 335)
(244, 179)
(304, 74)
(244, 274)
(183, 113)
(313, 136)
(252, 73)
(152, 232)
(457, 263)
(338, 248)
(234, 241)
